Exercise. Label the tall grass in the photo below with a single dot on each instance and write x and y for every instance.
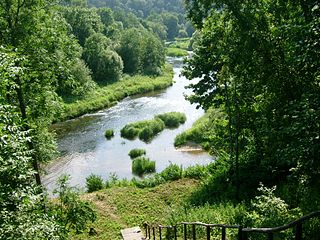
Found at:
(204, 130)
(172, 119)
(109, 95)
(146, 129)
(142, 165)
(136, 152)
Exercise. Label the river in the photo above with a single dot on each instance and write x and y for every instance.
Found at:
(84, 149)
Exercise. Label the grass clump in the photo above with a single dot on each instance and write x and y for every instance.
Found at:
(94, 183)
(146, 130)
(172, 172)
(172, 119)
(142, 165)
(136, 152)
(109, 133)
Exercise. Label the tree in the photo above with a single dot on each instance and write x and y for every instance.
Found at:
(250, 63)
(21, 212)
(83, 21)
(172, 23)
(141, 52)
(104, 62)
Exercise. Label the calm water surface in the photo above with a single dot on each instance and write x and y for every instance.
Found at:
(84, 149)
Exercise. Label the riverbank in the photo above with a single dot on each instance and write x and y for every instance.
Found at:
(109, 95)
(202, 133)
(178, 48)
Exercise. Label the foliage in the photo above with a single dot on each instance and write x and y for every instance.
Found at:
(73, 214)
(94, 183)
(105, 63)
(141, 52)
(207, 131)
(21, 203)
(83, 21)
(176, 52)
(106, 96)
(256, 62)
(142, 165)
(196, 172)
(137, 152)
(172, 172)
(146, 130)
(109, 133)
(135, 206)
(172, 119)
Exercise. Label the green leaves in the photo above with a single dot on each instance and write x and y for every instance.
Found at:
(255, 61)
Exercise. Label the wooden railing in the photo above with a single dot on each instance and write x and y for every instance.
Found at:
(153, 231)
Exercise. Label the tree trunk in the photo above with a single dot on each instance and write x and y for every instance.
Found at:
(23, 111)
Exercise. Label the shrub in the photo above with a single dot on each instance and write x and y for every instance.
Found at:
(109, 133)
(180, 139)
(134, 153)
(172, 172)
(94, 183)
(73, 214)
(146, 134)
(172, 119)
(196, 172)
(149, 129)
(129, 132)
(142, 165)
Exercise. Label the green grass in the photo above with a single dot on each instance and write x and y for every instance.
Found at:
(123, 207)
(136, 152)
(143, 165)
(109, 95)
(146, 129)
(176, 52)
(202, 130)
(172, 119)
(179, 47)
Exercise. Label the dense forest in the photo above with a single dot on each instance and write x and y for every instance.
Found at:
(258, 68)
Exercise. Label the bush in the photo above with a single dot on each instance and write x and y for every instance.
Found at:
(142, 165)
(172, 119)
(180, 139)
(73, 214)
(172, 172)
(196, 172)
(94, 183)
(109, 133)
(146, 134)
(149, 129)
(134, 153)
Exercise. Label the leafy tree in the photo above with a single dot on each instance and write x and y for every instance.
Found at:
(141, 52)
(21, 206)
(251, 64)
(105, 63)
(172, 23)
(83, 21)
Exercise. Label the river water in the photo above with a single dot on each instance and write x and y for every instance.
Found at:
(84, 149)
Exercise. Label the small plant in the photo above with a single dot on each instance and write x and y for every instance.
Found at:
(137, 152)
(109, 133)
(94, 183)
(172, 172)
(172, 119)
(142, 165)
